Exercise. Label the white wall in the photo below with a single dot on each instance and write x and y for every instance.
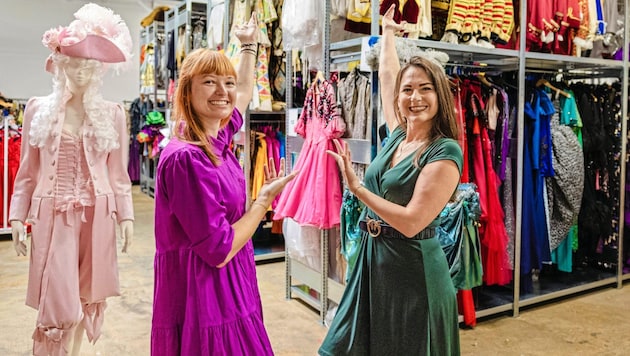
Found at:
(22, 55)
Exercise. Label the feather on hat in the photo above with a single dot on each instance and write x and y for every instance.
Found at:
(97, 33)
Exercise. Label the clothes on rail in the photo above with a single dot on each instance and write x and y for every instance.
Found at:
(266, 142)
(314, 196)
(564, 188)
(600, 109)
(13, 147)
(354, 95)
(563, 193)
(138, 111)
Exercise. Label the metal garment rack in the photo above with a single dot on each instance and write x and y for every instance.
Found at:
(327, 288)
(5, 228)
(243, 136)
(148, 166)
(177, 17)
(486, 60)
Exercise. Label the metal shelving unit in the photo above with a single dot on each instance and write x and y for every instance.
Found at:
(151, 35)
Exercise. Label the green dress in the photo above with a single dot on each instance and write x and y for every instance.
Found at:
(399, 299)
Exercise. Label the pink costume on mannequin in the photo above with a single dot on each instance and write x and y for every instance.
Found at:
(73, 185)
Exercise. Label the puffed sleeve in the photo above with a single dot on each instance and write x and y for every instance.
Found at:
(195, 199)
(117, 168)
(27, 174)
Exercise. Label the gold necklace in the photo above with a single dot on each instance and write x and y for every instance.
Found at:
(402, 147)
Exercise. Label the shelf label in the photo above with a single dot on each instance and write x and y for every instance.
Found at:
(292, 118)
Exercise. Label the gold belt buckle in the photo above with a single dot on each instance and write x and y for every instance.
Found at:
(373, 227)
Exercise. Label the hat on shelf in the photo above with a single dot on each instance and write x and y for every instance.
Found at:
(96, 33)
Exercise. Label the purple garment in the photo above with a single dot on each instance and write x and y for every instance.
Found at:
(133, 167)
(199, 309)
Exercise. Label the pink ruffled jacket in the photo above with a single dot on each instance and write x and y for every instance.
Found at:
(33, 197)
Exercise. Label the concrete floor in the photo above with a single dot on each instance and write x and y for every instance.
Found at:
(597, 323)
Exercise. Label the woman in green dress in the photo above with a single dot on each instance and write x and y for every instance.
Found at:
(400, 299)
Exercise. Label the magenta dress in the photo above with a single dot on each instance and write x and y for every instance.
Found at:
(199, 309)
(314, 196)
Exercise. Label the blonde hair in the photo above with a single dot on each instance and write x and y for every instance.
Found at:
(188, 126)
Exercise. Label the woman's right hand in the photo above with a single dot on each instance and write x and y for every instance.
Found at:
(18, 234)
(389, 24)
(274, 182)
(344, 161)
(248, 32)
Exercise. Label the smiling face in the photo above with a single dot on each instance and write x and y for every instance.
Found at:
(206, 93)
(417, 97)
(213, 97)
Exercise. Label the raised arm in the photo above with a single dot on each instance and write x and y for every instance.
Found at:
(388, 67)
(247, 35)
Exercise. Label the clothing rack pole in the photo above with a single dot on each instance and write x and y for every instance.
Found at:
(288, 165)
(324, 277)
(324, 257)
(519, 164)
(624, 139)
(5, 173)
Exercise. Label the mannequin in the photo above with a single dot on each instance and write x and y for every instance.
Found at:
(73, 185)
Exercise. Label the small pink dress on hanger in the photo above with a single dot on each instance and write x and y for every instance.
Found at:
(314, 196)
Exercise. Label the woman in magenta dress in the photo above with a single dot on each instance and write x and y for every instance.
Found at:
(206, 299)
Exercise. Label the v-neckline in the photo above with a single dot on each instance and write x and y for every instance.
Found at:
(393, 156)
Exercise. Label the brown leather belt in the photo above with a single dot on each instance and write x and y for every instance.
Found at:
(376, 228)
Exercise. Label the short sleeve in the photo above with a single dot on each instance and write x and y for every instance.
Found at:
(195, 200)
(235, 123)
(447, 149)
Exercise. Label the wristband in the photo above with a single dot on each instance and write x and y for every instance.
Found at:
(248, 50)
(260, 204)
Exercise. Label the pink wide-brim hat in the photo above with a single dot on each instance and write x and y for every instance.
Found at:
(96, 33)
(91, 47)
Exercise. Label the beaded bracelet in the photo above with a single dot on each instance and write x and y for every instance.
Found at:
(253, 44)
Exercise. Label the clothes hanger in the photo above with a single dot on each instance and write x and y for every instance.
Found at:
(481, 76)
(319, 78)
(5, 104)
(545, 82)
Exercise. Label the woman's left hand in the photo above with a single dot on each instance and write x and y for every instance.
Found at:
(248, 33)
(126, 234)
(274, 182)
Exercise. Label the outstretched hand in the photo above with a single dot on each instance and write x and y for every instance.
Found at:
(248, 32)
(126, 234)
(344, 161)
(389, 24)
(18, 234)
(274, 181)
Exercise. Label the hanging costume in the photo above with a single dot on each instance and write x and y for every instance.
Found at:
(314, 196)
